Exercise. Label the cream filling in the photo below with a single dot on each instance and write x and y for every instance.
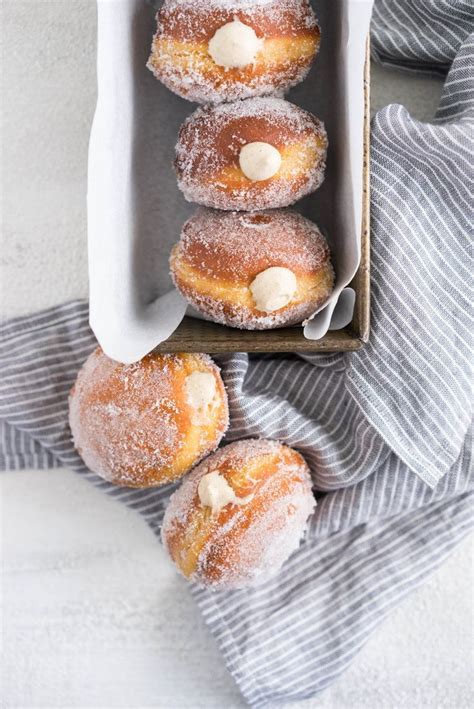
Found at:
(259, 161)
(215, 492)
(273, 288)
(234, 45)
(201, 390)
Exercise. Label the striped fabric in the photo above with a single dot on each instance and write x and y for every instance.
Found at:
(420, 35)
(386, 431)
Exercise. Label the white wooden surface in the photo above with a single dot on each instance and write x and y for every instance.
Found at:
(93, 615)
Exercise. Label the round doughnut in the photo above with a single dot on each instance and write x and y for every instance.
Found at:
(146, 424)
(222, 50)
(260, 153)
(239, 515)
(252, 271)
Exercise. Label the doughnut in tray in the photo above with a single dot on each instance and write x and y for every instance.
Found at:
(136, 210)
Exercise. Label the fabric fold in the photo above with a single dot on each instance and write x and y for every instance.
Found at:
(413, 381)
(421, 36)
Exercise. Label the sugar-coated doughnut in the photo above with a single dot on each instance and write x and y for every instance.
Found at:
(223, 50)
(146, 424)
(239, 515)
(260, 153)
(253, 271)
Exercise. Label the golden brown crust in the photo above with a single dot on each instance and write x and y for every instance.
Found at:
(220, 254)
(133, 424)
(211, 139)
(199, 22)
(180, 58)
(238, 246)
(242, 543)
(229, 137)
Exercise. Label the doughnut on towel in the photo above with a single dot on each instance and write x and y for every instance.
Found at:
(260, 153)
(146, 424)
(253, 271)
(222, 50)
(239, 515)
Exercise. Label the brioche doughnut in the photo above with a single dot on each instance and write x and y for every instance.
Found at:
(146, 424)
(252, 271)
(255, 154)
(239, 515)
(223, 50)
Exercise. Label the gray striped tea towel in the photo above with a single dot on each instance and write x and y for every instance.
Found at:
(386, 431)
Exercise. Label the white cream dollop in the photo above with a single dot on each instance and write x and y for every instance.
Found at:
(234, 45)
(273, 288)
(215, 492)
(259, 161)
(200, 392)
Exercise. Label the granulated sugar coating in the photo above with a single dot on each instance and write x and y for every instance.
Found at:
(220, 254)
(209, 145)
(133, 424)
(226, 4)
(288, 38)
(231, 244)
(243, 544)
